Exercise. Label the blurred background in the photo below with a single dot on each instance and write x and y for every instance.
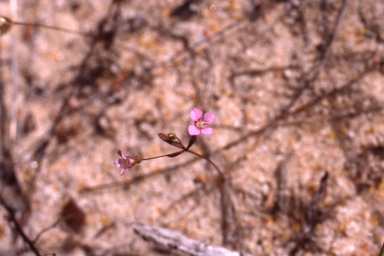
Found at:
(297, 88)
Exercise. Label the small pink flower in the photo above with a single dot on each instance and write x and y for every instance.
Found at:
(201, 122)
(124, 163)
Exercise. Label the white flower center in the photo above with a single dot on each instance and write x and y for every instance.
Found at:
(201, 124)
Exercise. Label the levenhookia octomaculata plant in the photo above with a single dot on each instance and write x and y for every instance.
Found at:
(201, 123)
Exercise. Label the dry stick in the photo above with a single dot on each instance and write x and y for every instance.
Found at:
(19, 229)
(176, 241)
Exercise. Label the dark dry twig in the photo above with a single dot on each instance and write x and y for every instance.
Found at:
(11, 218)
(44, 230)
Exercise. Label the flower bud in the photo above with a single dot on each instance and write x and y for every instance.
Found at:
(5, 25)
(172, 136)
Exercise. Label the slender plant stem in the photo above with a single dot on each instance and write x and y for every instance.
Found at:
(209, 160)
(70, 31)
(150, 158)
(180, 141)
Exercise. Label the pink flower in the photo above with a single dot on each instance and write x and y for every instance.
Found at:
(124, 163)
(201, 122)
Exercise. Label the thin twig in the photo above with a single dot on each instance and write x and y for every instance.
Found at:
(69, 31)
(11, 217)
(45, 230)
(331, 39)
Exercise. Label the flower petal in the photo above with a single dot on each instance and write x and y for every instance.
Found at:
(207, 131)
(209, 117)
(122, 172)
(122, 163)
(195, 114)
(116, 163)
(120, 153)
(193, 130)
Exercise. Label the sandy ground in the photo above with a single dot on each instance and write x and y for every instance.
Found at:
(297, 88)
